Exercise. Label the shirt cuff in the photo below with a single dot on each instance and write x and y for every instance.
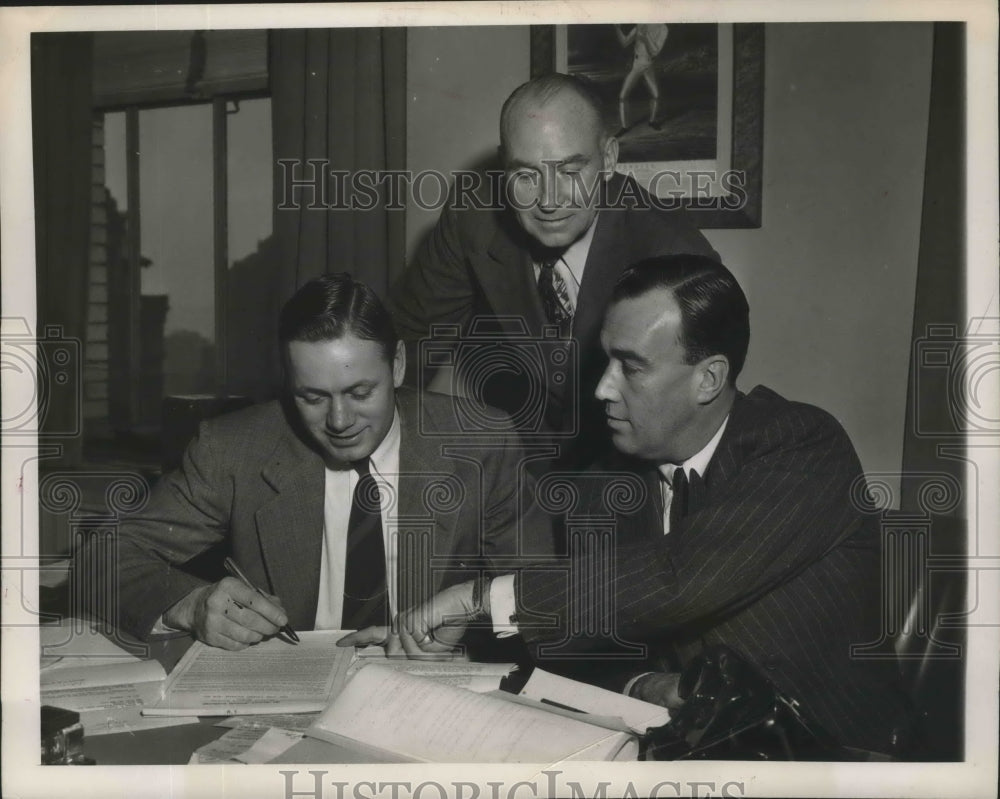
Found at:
(162, 628)
(627, 690)
(503, 605)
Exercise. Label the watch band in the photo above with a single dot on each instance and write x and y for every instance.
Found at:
(480, 598)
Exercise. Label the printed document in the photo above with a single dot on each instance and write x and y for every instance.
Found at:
(270, 677)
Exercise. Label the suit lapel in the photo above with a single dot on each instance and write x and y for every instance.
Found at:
(649, 519)
(508, 278)
(727, 460)
(604, 263)
(421, 533)
(290, 527)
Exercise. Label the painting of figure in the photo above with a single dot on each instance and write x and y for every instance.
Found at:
(659, 84)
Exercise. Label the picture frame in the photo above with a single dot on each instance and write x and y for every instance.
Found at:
(720, 189)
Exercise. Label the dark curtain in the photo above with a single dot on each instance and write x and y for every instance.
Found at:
(337, 96)
(61, 67)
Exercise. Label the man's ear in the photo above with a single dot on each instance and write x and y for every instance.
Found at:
(610, 157)
(399, 364)
(712, 378)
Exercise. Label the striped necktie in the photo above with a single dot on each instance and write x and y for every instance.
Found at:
(554, 294)
(365, 598)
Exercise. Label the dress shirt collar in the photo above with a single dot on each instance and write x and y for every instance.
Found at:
(385, 458)
(700, 460)
(575, 256)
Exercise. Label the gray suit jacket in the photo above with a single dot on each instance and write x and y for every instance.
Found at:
(250, 483)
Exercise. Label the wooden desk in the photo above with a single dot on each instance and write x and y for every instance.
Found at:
(162, 746)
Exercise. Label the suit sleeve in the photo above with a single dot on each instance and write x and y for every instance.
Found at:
(187, 513)
(784, 509)
(514, 524)
(436, 287)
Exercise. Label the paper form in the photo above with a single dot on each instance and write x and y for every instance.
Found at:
(446, 724)
(270, 677)
(286, 721)
(246, 745)
(478, 677)
(270, 745)
(226, 748)
(636, 714)
(88, 676)
(109, 698)
(76, 642)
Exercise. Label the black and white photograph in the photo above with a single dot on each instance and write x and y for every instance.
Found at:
(500, 400)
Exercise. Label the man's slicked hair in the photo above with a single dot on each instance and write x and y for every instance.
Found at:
(715, 316)
(332, 306)
(542, 89)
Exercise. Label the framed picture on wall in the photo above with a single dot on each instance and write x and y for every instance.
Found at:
(686, 101)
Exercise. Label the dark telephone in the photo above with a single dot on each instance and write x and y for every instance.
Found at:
(731, 712)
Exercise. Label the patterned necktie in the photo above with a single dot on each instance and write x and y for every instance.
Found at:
(365, 598)
(554, 294)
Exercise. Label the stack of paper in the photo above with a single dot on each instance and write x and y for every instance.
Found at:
(108, 686)
(270, 677)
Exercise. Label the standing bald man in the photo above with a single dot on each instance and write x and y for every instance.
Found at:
(549, 256)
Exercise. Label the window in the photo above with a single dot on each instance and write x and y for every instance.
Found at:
(181, 202)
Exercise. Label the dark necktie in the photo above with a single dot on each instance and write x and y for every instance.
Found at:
(684, 491)
(678, 498)
(554, 294)
(365, 598)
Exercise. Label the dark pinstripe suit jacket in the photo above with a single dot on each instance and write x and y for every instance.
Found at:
(773, 560)
(251, 482)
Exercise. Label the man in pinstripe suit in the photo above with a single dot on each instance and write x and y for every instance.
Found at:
(770, 556)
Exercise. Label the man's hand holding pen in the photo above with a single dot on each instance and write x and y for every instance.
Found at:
(231, 614)
(227, 614)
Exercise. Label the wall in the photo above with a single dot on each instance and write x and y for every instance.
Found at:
(457, 79)
(831, 273)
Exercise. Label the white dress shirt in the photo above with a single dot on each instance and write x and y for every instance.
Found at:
(338, 497)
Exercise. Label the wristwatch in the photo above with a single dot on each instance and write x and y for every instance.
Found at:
(481, 598)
